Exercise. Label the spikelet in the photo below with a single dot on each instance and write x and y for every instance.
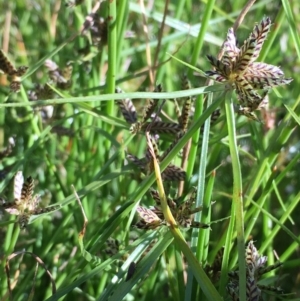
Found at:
(264, 76)
(23, 220)
(7, 67)
(183, 213)
(232, 289)
(38, 211)
(264, 70)
(179, 135)
(27, 191)
(6, 151)
(24, 204)
(135, 127)
(151, 106)
(263, 270)
(259, 34)
(141, 163)
(155, 148)
(161, 127)
(253, 293)
(231, 51)
(245, 56)
(44, 92)
(173, 173)
(272, 289)
(127, 109)
(62, 131)
(62, 78)
(214, 270)
(237, 67)
(18, 185)
(156, 198)
(177, 109)
(255, 268)
(65, 81)
(99, 31)
(155, 126)
(215, 116)
(187, 105)
(222, 72)
(112, 246)
(149, 220)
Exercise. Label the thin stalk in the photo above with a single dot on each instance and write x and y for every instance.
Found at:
(292, 24)
(195, 139)
(122, 12)
(163, 56)
(199, 100)
(227, 249)
(204, 235)
(112, 57)
(237, 197)
(197, 241)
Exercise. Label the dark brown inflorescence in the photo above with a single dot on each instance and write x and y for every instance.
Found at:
(152, 218)
(239, 69)
(14, 73)
(255, 268)
(25, 204)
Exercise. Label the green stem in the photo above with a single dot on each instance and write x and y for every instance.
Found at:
(197, 270)
(112, 57)
(199, 101)
(122, 13)
(237, 197)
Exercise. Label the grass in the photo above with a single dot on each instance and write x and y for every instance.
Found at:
(246, 172)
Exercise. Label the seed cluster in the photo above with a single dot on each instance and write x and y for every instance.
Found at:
(255, 268)
(14, 73)
(25, 204)
(239, 69)
(151, 218)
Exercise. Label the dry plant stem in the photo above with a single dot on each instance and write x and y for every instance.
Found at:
(144, 71)
(242, 14)
(238, 22)
(54, 18)
(6, 31)
(5, 40)
(161, 32)
(87, 20)
(164, 205)
(148, 50)
(207, 287)
(237, 197)
(96, 6)
(38, 260)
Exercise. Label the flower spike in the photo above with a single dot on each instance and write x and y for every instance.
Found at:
(239, 69)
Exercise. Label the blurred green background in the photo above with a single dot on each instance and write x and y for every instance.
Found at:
(85, 141)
